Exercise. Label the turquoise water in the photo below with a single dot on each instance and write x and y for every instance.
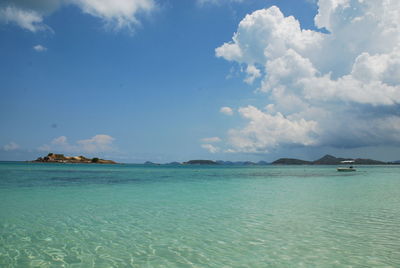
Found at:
(71, 215)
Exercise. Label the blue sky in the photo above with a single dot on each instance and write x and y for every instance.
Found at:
(137, 80)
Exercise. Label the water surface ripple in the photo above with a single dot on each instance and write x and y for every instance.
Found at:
(69, 215)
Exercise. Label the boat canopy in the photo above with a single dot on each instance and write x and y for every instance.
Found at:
(347, 162)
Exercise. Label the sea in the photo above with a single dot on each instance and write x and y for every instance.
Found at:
(92, 215)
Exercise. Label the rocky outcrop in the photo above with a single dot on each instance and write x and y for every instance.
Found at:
(60, 158)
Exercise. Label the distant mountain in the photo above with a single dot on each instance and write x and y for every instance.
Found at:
(241, 163)
(200, 162)
(221, 162)
(329, 160)
(248, 163)
(150, 163)
(173, 163)
(361, 161)
(291, 161)
(326, 160)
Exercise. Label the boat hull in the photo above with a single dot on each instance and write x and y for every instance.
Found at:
(345, 169)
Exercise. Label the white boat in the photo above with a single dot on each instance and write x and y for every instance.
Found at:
(347, 169)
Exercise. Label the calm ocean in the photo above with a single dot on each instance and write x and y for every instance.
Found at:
(76, 215)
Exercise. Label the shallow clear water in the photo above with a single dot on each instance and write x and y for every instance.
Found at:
(71, 215)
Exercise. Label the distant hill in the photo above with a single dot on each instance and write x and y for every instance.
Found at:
(241, 163)
(60, 158)
(291, 161)
(228, 163)
(151, 163)
(326, 160)
(329, 160)
(361, 161)
(173, 163)
(200, 162)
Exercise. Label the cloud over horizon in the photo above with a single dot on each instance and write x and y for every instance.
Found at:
(99, 143)
(11, 146)
(340, 88)
(210, 148)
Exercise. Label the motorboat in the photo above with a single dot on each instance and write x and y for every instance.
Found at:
(347, 169)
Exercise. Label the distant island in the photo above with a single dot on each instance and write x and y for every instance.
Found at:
(60, 158)
(325, 160)
(200, 162)
(328, 160)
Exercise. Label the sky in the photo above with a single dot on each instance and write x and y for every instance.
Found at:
(172, 80)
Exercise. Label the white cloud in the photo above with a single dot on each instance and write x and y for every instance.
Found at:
(338, 83)
(62, 140)
(326, 12)
(97, 144)
(117, 15)
(266, 131)
(226, 110)
(40, 48)
(252, 74)
(267, 34)
(12, 146)
(26, 19)
(211, 139)
(59, 144)
(211, 148)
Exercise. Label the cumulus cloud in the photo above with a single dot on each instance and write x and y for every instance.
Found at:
(40, 48)
(121, 14)
(252, 74)
(117, 14)
(267, 34)
(211, 148)
(266, 131)
(97, 144)
(226, 110)
(12, 146)
(62, 140)
(326, 89)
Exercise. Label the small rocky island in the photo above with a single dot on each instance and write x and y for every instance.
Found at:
(60, 158)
